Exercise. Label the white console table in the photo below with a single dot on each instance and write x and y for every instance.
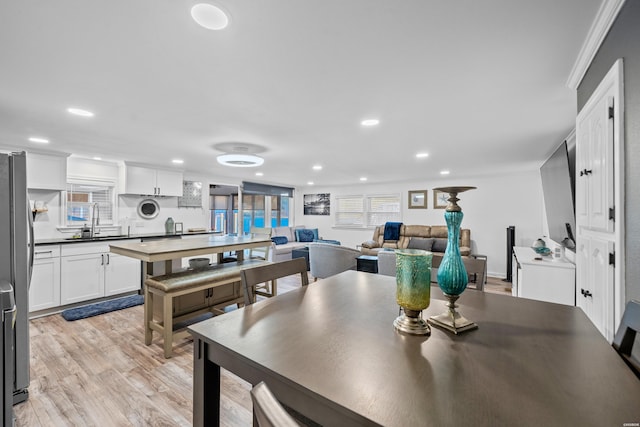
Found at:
(543, 279)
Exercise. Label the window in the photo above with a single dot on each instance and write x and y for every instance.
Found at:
(252, 211)
(367, 210)
(86, 200)
(280, 211)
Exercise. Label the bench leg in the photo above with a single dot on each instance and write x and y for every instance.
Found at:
(274, 287)
(167, 327)
(148, 315)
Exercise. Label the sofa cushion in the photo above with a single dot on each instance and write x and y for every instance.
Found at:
(439, 245)
(333, 242)
(423, 243)
(280, 240)
(306, 234)
(283, 231)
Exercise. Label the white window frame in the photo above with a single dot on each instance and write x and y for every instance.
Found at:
(104, 222)
(365, 216)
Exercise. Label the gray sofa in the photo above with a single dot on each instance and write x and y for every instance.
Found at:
(328, 259)
(283, 252)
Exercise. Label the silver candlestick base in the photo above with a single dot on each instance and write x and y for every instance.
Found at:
(411, 322)
(451, 320)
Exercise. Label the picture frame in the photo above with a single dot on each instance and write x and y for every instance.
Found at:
(417, 199)
(440, 199)
(317, 204)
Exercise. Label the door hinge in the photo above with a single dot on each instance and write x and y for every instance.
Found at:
(612, 213)
(612, 259)
(611, 112)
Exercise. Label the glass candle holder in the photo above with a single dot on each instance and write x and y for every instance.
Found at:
(413, 290)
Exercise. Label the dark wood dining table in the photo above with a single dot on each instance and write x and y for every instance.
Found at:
(330, 352)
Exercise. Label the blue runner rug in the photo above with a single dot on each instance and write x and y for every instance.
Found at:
(102, 307)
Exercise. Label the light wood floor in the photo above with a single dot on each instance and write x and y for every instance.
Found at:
(98, 372)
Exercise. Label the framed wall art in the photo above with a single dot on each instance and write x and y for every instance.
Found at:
(417, 199)
(440, 199)
(317, 204)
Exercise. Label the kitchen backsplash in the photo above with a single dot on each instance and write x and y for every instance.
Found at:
(47, 224)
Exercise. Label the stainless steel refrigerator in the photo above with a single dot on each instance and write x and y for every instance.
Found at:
(16, 261)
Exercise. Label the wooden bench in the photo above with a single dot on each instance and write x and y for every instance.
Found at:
(221, 280)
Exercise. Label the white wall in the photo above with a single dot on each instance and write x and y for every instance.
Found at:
(49, 224)
(498, 202)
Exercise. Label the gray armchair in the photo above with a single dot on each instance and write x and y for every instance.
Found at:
(326, 259)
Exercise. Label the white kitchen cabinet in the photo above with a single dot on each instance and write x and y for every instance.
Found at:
(542, 280)
(122, 274)
(44, 291)
(89, 271)
(46, 171)
(82, 278)
(148, 181)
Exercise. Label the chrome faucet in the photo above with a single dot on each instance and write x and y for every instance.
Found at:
(95, 219)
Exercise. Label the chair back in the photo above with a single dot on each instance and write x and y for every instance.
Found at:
(327, 260)
(256, 275)
(626, 336)
(267, 411)
(262, 252)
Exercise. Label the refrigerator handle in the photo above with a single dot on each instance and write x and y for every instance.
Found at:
(32, 243)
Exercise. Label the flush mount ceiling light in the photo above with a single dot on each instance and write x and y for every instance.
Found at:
(444, 172)
(370, 122)
(177, 161)
(259, 174)
(39, 140)
(80, 112)
(240, 160)
(422, 155)
(209, 16)
(317, 167)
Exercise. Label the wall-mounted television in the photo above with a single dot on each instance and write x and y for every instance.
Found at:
(558, 189)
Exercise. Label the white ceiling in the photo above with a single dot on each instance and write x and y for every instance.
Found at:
(479, 85)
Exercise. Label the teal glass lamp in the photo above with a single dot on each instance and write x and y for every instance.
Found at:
(452, 275)
(413, 290)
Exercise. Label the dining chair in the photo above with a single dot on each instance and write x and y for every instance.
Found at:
(265, 253)
(267, 411)
(254, 276)
(626, 336)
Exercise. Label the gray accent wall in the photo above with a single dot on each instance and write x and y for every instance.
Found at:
(623, 41)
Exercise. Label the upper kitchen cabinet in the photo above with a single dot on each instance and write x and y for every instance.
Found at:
(148, 181)
(46, 171)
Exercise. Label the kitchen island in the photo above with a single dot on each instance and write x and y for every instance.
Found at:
(182, 295)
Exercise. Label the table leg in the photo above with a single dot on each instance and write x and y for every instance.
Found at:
(148, 315)
(206, 387)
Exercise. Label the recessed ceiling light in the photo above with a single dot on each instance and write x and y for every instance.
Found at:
(240, 160)
(422, 155)
(259, 174)
(310, 183)
(97, 158)
(370, 122)
(39, 140)
(209, 16)
(363, 179)
(445, 172)
(317, 167)
(80, 112)
(177, 161)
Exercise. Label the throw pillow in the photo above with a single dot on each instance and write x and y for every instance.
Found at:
(305, 235)
(439, 245)
(280, 240)
(305, 231)
(424, 243)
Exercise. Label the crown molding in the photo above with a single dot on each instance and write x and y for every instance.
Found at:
(603, 21)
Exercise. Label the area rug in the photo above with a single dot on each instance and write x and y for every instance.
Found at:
(102, 307)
